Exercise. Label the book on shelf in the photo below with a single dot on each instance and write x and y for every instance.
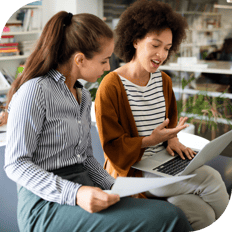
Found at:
(12, 52)
(7, 39)
(13, 26)
(36, 21)
(9, 49)
(26, 47)
(3, 45)
(32, 19)
(26, 20)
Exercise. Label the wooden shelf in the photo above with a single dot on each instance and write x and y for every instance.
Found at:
(206, 29)
(201, 45)
(5, 58)
(199, 13)
(22, 32)
(32, 7)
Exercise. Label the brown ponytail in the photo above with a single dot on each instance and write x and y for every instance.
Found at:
(58, 42)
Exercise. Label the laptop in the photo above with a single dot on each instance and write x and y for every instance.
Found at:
(163, 164)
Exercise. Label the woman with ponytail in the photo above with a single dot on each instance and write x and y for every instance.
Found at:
(49, 152)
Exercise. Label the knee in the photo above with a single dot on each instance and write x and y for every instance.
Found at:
(203, 219)
(210, 174)
(207, 218)
(198, 213)
(177, 216)
(163, 214)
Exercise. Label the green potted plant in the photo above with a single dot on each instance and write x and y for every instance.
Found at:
(205, 110)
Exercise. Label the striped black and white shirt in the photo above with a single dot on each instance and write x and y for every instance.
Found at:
(48, 129)
(147, 104)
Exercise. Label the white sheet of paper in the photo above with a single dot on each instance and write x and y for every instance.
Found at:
(127, 186)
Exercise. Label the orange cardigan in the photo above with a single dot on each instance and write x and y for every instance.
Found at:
(117, 130)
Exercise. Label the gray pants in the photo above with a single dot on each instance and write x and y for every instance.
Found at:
(127, 215)
(202, 198)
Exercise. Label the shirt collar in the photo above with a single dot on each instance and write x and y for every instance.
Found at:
(56, 75)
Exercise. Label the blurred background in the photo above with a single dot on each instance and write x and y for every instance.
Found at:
(201, 71)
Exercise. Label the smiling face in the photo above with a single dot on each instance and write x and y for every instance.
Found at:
(92, 69)
(153, 49)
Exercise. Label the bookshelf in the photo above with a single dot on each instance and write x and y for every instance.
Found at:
(23, 28)
(204, 34)
(32, 7)
(19, 57)
(22, 32)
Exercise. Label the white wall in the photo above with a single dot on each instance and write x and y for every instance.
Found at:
(90, 6)
(226, 16)
(51, 7)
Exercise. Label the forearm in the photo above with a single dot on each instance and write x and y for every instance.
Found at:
(147, 142)
(96, 171)
(98, 175)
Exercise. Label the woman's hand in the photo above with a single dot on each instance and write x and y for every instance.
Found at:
(93, 199)
(161, 134)
(175, 146)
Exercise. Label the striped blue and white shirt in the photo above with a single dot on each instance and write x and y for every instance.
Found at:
(147, 104)
(48, 129)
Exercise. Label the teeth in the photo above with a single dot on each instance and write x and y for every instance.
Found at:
(155, 61)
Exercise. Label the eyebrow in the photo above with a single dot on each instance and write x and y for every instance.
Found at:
(107, 57)
(161, 41)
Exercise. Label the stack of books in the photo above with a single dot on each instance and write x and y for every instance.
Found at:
(13, 26)
(7, 39)
(26, 47)
(9, 49)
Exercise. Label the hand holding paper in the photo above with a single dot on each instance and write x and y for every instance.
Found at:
(127, 186)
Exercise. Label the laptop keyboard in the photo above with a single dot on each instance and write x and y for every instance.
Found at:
(173, 166)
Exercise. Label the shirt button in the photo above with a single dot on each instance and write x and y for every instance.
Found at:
(79, 121)
(78, 156)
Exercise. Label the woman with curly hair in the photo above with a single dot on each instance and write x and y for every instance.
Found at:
(49, 152)
(136, 110)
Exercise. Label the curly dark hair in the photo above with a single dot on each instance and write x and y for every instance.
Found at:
(145, 16)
